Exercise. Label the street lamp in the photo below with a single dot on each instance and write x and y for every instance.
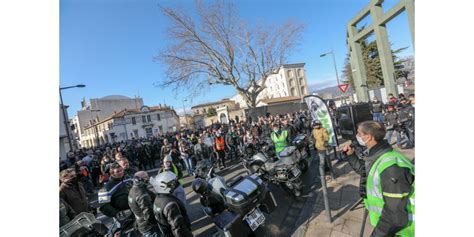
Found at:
(66, 123)
(334, 62)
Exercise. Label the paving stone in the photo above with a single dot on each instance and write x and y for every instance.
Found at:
(335, 233)
(315, 231)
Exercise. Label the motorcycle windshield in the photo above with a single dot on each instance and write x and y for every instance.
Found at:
(287, 152)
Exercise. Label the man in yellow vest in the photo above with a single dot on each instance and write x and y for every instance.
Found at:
(280, 138)
(387, 179)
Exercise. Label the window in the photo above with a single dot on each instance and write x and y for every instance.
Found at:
(301, 81)
(135, 132)
(302, 90)
(291, 82)
(134, 121)
(149, 132)
(143, 119)
(148, 117)
(292, 92)
(158, 116)
(160, 128)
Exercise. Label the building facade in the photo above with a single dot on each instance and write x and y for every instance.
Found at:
(63, 140)
(98, 109)
(289, 81)
(131, 124)
(203, 109)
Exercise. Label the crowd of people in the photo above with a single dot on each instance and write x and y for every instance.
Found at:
(116, 172)
(398, 115)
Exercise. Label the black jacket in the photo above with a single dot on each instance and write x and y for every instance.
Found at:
(202, 151)
(291, 132)
(119, 196)
(376, 107)
(140, 200)
(66, 213)
(391, 120)
(172, 216)
(394, 179)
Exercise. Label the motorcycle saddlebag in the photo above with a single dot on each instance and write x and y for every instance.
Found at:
(232, 223)
(269, 203)
(245, 193)
(82, 225)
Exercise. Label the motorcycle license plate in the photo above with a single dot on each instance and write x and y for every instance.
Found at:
(255, 219)
(296, 172)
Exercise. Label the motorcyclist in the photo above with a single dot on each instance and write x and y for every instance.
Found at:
(140, 200)
(212, 204)
(231, 142)
(113, 197)
(169, 211)
(169, 166)
(290, 128)
(392, 124)
(280, 138)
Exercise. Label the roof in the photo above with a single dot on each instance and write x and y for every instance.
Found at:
(213, 103)
(124, 112)
(294, 65)
(115, 97)
(280, 99)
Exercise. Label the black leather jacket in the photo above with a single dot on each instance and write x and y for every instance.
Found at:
(172, 216)
(140, 200)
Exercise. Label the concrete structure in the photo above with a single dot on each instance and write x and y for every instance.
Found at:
(202, 109)
(290, 80)
(63, 141)
(131, 123)
(98, 109)
(378, 27)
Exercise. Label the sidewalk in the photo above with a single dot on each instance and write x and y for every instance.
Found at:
(343, 193)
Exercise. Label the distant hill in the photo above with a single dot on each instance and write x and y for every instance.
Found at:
(328, 92)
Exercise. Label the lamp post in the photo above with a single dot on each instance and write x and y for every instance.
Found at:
(334, 62)
(66, 123)
(185, 117)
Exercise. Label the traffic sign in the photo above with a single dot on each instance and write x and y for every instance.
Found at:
(343, 87)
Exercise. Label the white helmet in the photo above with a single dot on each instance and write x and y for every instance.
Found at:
(165, 182)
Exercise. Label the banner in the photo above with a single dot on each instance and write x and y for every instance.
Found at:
(319, 111)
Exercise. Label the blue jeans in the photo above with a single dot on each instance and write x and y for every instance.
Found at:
(378, 117)
(389, 137)
(189, 164)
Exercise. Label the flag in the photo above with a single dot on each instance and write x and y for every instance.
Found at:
(319, 111)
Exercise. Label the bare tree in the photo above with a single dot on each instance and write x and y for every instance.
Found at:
(219, 48)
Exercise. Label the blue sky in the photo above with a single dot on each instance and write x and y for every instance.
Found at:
(109, 44)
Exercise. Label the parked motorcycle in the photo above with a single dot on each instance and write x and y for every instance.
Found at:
(124, 226)
(302, 143)
(283, 168)
(235, 207)
(84, 224)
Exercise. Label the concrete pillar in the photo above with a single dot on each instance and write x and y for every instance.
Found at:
(410, 9)
(383, 47)
(358, 67)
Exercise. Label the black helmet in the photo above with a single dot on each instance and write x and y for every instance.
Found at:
(200, 186)
(316, 122)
